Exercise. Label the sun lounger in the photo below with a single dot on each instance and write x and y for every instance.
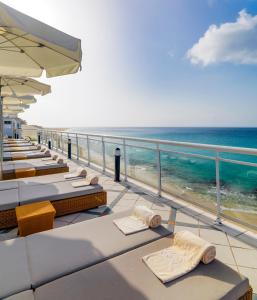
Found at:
(8, 156)
(64, 250)
(76, 259)
(64, 197)
(18, 145)
(12, 141)
(127, 277)
(18, 149)
(40, 180)
(37, 167)
(83, 244)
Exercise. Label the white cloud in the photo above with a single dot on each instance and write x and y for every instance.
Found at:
(230, 42)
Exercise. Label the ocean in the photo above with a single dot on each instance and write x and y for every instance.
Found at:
(189, 177)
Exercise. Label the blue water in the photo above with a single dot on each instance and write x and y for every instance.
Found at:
(238, 183)
(238, 137)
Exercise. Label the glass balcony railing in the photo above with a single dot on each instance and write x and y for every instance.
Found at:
(220, 179)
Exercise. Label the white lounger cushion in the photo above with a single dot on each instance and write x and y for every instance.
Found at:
(54, 191)
(14, 149)
(8, 185)
(14, 274)
(37, 180)
(9, 200)
(58, 252)
(26, 295)
(10, 167)
(126, 277)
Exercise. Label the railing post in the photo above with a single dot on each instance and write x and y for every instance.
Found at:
(69, 148)
(125, 160)
(103, 149)
(61, 143)
(58, 142)
(52, 139)
(218, 195)
(38, 137)
(77, 145)
(88, 151)
(159, 175)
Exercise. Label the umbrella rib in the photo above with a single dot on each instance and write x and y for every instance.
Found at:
(54, 50)
(8, 47)
(9, 50)
(24, 53)
(4, 79)
(21, 83)
(16, 36)
(40, 45)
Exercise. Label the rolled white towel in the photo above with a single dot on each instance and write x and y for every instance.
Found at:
(38, 147)
(209, 255)
(54, 157)
(147, 216)
(42, 149)
(59, 160)
(47, 152)
(91, 180)
(185, 253)
(80, 172)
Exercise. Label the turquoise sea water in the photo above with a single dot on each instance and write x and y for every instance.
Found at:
(238, 183)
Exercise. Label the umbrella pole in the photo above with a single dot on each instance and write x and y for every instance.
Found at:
(1, 131)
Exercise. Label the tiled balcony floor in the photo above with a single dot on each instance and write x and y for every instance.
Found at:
(230, 242)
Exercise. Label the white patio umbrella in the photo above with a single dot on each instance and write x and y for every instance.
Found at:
(10, 111)
(22, 86)
(15, 107)
(25, 100)
(18, 87)
(28, 46)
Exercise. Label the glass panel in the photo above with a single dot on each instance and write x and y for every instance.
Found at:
(142, 165)
(109, 156)
(82, 148)
(239, 192)
(192, 179)
(96, 153)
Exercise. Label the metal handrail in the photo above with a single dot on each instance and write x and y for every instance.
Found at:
(230, 149)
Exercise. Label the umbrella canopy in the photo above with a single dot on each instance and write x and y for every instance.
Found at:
(21, 86)
(12, 100)
(18, 86)
(15, 107)
(10, 111)
(28, 46)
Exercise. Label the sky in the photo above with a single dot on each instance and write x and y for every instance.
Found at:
(152, 63)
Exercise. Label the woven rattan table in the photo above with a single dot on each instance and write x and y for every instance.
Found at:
(35, 217)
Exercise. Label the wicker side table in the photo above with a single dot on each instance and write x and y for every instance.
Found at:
(35, 217)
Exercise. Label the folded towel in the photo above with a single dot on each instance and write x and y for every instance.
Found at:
(91, 180)
(142, 218)
(38, 147)
(53, 157)
(47, 152)
(185, 253)
(81, 172)
(42, 149)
